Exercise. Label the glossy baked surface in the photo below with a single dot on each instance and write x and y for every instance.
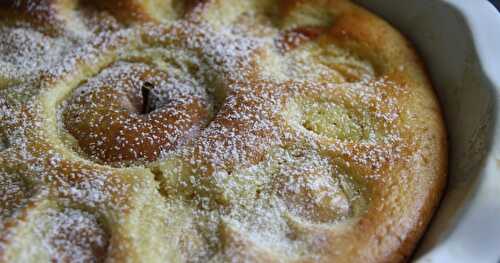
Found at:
(222, 131)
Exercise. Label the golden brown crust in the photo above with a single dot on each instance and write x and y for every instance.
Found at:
(283, 131)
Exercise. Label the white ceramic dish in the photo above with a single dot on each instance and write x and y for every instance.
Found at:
(460, 43)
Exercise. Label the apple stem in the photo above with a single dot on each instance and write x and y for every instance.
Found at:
(147, 97)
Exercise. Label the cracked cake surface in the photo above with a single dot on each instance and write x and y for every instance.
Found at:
(213, 131)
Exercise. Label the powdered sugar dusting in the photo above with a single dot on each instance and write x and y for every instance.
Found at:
(72, 235)
(258, 133)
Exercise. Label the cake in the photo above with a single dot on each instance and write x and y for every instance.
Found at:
(213, 131)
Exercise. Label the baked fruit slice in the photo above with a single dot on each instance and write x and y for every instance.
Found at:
(213, 131)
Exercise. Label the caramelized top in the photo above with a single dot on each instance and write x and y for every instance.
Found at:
(216, 130)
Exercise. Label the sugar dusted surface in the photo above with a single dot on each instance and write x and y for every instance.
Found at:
(71, 235)
(266, 141)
